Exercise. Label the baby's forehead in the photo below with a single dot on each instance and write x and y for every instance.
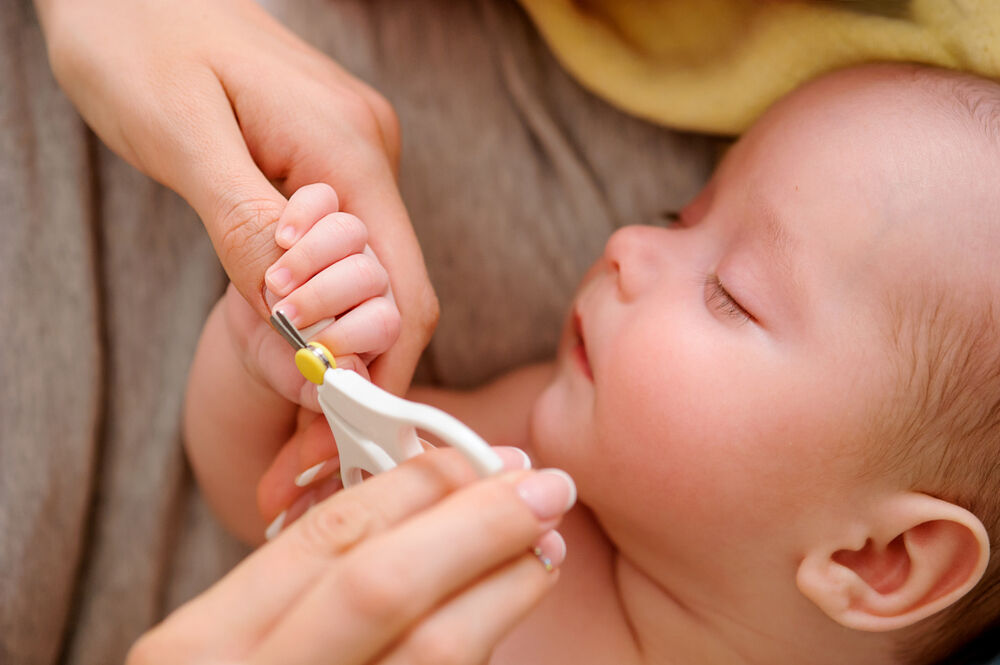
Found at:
(906, 159)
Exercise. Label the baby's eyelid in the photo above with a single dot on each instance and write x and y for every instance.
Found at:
(724, 301)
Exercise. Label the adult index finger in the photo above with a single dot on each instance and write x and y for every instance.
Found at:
(270, 581)
(380, 588)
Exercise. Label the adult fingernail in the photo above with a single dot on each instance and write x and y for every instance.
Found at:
(285, 236)
(309, 474)
(279, 280)
(549, 493)
(274, 528)
(550, 550)
(513, 458)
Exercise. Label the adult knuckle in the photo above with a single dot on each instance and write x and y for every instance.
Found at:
(356, 111)
(438, 646)
(246, 229)
(335, 526)
(378, 591)
(145, 651)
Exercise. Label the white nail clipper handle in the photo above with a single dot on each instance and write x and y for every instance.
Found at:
(375, 430)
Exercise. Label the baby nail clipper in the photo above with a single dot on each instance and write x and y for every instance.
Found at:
(374, 429)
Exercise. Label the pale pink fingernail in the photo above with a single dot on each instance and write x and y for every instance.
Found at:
(549, 493)
(286, 236)
(550, 550)
(279, 280)
(513, 458)
(309, 474)
(274, 528)
(289, 311)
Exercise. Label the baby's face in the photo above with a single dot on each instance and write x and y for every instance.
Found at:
(716, 379)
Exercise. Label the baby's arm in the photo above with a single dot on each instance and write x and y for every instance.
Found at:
(234, 424)
(244, 394)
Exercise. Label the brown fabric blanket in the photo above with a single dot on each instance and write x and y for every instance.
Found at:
(513, 175)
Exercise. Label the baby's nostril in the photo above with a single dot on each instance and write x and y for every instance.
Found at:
(670, 216)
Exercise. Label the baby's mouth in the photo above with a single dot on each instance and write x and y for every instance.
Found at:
(579, 349)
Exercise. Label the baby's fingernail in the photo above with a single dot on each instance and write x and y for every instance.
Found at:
(279, 280)
(549, 493)
(270, 298)
(309, 474)
(288, 310)
(513, 458)
(285, 236)
(274, 528)
(551, 550)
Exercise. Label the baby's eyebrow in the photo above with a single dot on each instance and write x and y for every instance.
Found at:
(773, 230)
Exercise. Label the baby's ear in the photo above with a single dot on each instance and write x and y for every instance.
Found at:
(914, 556)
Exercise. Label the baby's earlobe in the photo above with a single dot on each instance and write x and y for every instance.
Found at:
(919, 556)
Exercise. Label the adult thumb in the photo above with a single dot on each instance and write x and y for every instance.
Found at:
(216, 174)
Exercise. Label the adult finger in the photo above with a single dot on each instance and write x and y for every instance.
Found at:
(467, 628)
(265, 585)
(393, 579)
(208, 163)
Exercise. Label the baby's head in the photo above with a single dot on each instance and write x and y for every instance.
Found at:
(785, 409)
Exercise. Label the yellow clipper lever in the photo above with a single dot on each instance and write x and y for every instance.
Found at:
(313, 360)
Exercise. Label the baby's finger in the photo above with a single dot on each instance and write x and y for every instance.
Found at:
(387, 582)
(367, 330)
(336, 289)
(304, 207)
(334, 237)
(469, 626)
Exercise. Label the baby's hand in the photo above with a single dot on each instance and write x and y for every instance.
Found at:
(330, 284)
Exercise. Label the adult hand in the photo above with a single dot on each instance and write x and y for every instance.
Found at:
(221, 103)
(422, 564)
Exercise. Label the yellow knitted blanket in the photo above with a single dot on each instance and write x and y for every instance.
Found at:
(714, 65)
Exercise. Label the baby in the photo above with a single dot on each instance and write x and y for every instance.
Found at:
(781, 413)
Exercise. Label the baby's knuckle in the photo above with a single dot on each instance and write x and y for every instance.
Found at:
(369, 272)
(335, 526)
(386, 318)
(350, 228)
(438, 645)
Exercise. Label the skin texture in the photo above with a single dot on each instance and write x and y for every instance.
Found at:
(714, 396)
(222, 104)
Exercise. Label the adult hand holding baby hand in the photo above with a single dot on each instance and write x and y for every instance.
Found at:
(218, 101)
(424, 563)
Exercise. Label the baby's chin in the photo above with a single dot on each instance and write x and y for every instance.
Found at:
(557, 436)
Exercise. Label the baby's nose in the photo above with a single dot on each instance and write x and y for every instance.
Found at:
(631, 251)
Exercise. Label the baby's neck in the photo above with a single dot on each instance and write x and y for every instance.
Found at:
(606, 609)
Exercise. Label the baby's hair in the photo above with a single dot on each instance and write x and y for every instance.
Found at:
(944, 427)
